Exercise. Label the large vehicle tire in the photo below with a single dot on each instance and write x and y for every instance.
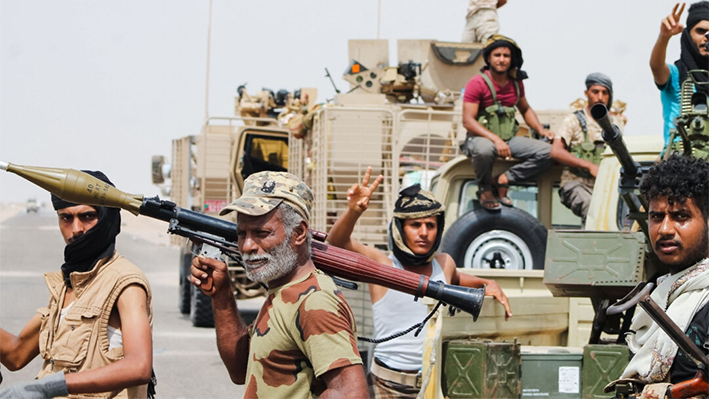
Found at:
(201, 309)
(509, 239)
(185, 288)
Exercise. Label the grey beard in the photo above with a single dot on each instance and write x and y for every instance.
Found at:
(281, 260)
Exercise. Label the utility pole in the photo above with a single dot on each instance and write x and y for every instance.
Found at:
(209, 43)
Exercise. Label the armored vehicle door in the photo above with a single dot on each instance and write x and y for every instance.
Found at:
(256, 150)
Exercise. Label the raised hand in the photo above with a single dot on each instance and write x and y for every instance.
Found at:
(670, 24)
(358, 195)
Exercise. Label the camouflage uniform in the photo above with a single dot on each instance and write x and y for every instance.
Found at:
(304, 329)
(481, 22)
(576, 191)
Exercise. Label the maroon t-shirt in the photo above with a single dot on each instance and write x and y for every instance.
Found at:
(476, 91)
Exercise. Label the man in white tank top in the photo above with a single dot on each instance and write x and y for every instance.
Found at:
(414, 236)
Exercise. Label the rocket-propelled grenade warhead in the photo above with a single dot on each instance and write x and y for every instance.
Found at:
(82, 188)
(78, 187)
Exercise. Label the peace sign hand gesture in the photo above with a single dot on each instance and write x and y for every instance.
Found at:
(670, 24)
(358, 195)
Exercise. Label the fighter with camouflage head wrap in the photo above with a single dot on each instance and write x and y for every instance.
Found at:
(302, 344)
(414, 203)
(415, 234)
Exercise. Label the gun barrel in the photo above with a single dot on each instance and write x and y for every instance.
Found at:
(612, 136)
(167, 211)
(82, 188)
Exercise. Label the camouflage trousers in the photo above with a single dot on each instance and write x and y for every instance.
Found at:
(383, 389)
(480, 26)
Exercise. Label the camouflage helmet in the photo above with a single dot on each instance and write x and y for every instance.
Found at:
(498, 40)
(264, 191)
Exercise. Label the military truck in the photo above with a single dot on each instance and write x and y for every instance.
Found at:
(404, 121)
(603, 263)
(556, 321)
(377, 124)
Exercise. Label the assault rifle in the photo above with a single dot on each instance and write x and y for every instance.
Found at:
(698, 386)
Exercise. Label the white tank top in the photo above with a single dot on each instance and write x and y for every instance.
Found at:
(394, 313)
(114, 335)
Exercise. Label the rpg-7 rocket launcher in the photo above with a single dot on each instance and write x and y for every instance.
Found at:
(81, 188)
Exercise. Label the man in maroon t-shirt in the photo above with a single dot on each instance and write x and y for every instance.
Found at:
(503, 62)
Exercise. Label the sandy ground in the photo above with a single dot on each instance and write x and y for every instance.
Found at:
(8, 210)
(151, 230)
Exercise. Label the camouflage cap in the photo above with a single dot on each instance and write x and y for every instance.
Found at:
(264, 191)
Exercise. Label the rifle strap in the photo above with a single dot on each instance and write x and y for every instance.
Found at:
(580, 115)
(494, 93)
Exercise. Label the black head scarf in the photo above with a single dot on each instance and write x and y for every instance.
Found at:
(496, 41)
(414, 203)
(95, 244)
(690, 57)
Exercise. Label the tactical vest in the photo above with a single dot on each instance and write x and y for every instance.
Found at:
(498, 119)
(592, 152)
(79, 342)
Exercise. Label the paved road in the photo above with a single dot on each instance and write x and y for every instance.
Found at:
(186, 360)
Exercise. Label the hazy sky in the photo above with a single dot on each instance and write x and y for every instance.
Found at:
(106, 84)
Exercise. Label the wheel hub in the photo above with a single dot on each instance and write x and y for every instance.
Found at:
(498, 249)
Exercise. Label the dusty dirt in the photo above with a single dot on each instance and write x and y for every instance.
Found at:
(10, 209)
(151, 230)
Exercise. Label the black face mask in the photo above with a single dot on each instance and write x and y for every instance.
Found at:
(97, 243)
(690, 57)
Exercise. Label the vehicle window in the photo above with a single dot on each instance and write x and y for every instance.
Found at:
(434, 184)
(265, 153)
(467, 195)
(561, 216)
(523, 197)
(622, 221)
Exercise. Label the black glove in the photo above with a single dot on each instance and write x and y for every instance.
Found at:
(48, 387)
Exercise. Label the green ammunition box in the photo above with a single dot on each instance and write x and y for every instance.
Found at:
(601, 264)
(551, 372)
(481, 369)
(601, 365)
